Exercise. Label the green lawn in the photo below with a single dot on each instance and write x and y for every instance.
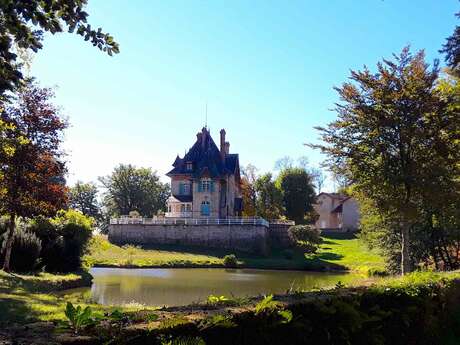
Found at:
(104, 253)
(348, 251)
(340, 252)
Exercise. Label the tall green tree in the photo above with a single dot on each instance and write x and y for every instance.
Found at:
(32, 171)
(396, 138)
(83, 197)
(24, 22)
(269, 198)
(452, 50)
(298, 193)
(130, 189)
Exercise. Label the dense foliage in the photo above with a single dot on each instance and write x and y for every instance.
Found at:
(248, 190)
(64, 239)
(83, 197)
(269, 197)
(130, 189)
(290, 195)
(396, 138)
(230, 261)
(22, 26)
(452, 50)
(298, 193)
(26, 247)
(306, 237)
(32, 170)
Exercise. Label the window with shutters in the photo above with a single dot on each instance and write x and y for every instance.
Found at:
(205, 208)
(184, 188)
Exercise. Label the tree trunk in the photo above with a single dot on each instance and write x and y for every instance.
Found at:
(9, 243)
(405, 257)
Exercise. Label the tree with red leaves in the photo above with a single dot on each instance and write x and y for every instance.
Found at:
(32, 171)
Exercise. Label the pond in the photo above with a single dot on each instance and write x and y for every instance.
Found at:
(181, 286)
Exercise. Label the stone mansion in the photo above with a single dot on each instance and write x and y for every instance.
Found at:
(205, 183)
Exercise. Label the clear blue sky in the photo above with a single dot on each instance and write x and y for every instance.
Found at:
(265, 68)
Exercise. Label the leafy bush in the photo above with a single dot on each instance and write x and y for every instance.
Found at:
(64, 238)
(306, 237)
(271, 311)
(230, 261)
(377, 272)
(25, 252)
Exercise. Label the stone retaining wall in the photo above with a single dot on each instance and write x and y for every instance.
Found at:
(279, 235)
(246, 238)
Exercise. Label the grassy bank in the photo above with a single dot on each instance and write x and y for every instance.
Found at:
(339, 252)
(41, 297)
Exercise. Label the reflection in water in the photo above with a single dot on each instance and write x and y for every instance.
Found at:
(163, 286)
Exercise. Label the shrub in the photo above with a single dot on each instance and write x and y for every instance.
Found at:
(306, 237)
(65, 239)
(25, 252)
(272, 311)
(230, 261)
(288, 254)
(377, 272)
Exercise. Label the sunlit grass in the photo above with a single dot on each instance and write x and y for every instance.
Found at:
(343, 252)
(103, 252)
(350, 252)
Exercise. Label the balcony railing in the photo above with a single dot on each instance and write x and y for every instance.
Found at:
(185, 214)
(190, 221)
(281, 222)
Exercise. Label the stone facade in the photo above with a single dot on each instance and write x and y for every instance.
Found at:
(245, 238)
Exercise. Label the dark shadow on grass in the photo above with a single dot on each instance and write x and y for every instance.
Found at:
(339, 235)
(329, 256)
(327, 242)
(15, 310)
(15, 306)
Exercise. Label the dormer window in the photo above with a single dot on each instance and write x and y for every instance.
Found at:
(205, 185)
(189, 166)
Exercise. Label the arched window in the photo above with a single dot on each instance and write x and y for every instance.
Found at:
(205, 208)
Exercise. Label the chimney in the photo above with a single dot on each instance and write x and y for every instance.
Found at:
(227, 147)
(222, 143)
(198, 136)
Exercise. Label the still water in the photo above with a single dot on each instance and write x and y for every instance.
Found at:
(180, 286)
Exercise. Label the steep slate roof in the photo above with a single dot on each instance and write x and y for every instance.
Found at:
(206, 159)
